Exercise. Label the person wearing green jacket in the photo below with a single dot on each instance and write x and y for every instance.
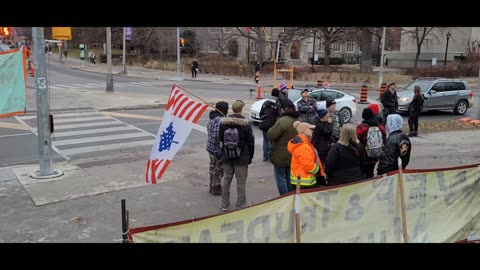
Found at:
(279, 135)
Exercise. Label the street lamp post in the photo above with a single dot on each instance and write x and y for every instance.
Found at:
(446, 49)
(313, 52)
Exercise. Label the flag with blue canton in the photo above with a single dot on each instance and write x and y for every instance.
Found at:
(181, 114)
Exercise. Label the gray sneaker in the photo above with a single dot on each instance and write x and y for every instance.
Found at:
(222, 208)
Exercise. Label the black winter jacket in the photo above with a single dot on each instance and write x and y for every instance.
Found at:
(417, 105)
(322, 139)
(390, 101)
(247, 140)
(344, 164)
(397, 145)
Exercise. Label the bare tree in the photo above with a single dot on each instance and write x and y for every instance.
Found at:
(219, 43)
(330, 35)
(421, 36)
(364, 37)
(258, 37)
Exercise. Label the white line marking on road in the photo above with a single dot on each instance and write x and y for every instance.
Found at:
(101, 138)
(13, 135)
(36, 134)
(73, 120)
(106, 147)
(91, 131)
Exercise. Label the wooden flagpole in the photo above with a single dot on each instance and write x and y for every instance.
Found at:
(198, 98)
(297, 210)
(402, 201)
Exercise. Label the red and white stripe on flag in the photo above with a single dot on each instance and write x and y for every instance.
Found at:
(181, 113)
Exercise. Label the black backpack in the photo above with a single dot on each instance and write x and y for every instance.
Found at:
(231, 143)
(268, 114)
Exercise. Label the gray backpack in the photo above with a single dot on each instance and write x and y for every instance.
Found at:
(231, 143)
(374, 142)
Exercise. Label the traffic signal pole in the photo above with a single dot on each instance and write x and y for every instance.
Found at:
(43, 110)
(178, 55)
(109, 60)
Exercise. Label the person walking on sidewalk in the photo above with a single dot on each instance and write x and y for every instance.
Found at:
(194, 68)
(279, 135)
(238, 142)
(389, 101)
(415, 109)
(213, 147)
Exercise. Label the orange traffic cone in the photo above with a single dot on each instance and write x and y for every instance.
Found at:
(259, 91)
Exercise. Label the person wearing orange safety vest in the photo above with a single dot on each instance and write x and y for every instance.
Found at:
(305, 161)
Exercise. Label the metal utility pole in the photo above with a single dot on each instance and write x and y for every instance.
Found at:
(43, 111)
(380, 79)
(124, 70)
(60, 52)
(109, 60)
(178, 55)
(313, 52)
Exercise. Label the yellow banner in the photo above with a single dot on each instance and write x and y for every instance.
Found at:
(441, 206)
(62, 33)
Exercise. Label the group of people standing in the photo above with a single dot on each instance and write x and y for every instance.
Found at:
(315, 146)
(389, 101)
(310, 145)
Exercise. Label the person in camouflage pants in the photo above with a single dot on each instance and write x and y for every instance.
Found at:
(337, 119)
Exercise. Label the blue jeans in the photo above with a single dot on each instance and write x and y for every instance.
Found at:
(265, 146)
(282, 177)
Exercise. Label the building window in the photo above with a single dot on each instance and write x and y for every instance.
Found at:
(310, 46)
(321, 47)
(349, 45)
(213, 29)
(253, 47)
(227, 29)
(211, 47)
(336, 46)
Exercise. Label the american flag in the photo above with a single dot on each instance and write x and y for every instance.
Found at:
(181, 113)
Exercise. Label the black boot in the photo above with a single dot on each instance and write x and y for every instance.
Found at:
(217, 190)
(411, 134)
(416, 133)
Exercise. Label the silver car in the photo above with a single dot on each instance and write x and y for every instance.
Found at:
(439, 94)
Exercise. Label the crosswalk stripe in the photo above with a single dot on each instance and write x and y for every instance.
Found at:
(62, 115)
(91, 131)
(59, 115)
(96, 148)
(101, 138)
(110, 123)
(82, 119)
